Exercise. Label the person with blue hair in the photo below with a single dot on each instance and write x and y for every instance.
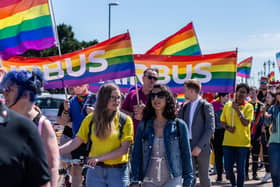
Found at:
(20, 89)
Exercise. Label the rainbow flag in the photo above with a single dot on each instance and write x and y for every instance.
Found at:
(24, 25)
(244, 67)
(183, 42)
(217, 72)
(278, 60)
(111, 59)
(181, 97)
(271, 76)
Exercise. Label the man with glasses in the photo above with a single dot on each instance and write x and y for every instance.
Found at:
(75, 110)
(130, 105)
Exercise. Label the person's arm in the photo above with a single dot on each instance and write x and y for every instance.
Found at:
(70, 145)
(209, 125)
(51, 145)
(186, 157)
(241, 116)
(227, 127)
(137, 157)
(65, 116)
(123, 149)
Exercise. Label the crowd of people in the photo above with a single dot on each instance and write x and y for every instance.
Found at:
(143, 139)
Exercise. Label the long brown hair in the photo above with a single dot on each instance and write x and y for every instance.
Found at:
(103, 118)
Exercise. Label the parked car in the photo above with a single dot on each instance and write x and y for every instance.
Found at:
(49, 105)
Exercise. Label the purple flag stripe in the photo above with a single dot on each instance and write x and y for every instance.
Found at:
(26, 45)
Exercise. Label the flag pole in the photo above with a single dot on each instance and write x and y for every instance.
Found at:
(232, 112)
(57, 39)
(136, 83)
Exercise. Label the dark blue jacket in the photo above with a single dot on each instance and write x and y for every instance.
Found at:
(177, 147)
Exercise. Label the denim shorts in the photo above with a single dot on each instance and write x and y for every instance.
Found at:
(107, 177)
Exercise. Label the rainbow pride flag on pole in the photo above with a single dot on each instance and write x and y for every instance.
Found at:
(24, 25)
(181, 98)
(183, 42)
(244, 68)
(111, 59)
(271, 76)
(278, 60)
(217, 72)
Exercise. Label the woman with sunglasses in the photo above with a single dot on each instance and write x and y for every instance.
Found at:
(161, 154)
(20, 89)
(110, 140)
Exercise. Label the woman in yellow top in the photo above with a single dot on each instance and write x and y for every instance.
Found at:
(110, 140)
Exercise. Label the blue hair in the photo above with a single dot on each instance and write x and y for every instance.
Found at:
(31, 82)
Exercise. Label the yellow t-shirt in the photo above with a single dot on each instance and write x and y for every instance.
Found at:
(241, 137)
(112, 142)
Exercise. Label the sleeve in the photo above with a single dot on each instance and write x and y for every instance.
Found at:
(128, 130)
(84, 129)
(37, 164)
(209, 125)
(136, 158)
(223, 115)
(127, 102)
(269, 120)
(249, 112)
(187, 174)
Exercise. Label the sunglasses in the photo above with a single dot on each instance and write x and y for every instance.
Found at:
(159, 95)
(151, 77)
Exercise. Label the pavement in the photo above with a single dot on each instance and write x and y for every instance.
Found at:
(249, 183)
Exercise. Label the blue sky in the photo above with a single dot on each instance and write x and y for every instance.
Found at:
(249, 25)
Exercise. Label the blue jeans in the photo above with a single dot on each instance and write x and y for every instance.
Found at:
(107, 177)
(238, 155)
(274, 158)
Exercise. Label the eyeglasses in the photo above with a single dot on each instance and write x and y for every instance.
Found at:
(150, 77)
(7, 90)
(159, 95)
(115, 98)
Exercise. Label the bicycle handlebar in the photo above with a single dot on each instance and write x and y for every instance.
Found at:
(81, 162)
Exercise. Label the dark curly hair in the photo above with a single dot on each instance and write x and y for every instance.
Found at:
(170, 107)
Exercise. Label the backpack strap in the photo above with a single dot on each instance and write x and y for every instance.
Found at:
(89, 142)
(122, 120)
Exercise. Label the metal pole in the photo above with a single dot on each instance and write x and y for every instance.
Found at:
(109, 31)
(57, 41)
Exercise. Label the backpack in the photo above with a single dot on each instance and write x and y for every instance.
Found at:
(122, 120)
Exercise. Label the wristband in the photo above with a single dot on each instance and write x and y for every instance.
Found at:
(65, 112)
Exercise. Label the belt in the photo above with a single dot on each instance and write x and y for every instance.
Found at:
(103, 165)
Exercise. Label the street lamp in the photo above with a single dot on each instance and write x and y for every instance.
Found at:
(264, 68)
(111, 4)
(268, 63)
